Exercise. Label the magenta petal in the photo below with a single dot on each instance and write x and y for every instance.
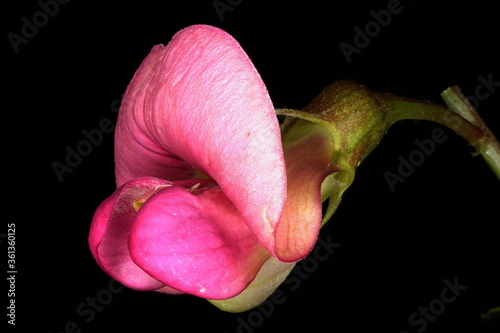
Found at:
(199, 105)
(197, 244)
(109, 233)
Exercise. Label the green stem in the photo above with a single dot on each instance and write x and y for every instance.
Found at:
(408, 109)
(461, 117)
(490, 315)
(488, 147)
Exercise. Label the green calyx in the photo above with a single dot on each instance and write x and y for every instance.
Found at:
(356, 118)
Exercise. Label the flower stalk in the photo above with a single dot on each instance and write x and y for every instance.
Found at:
(488, 146)
(460, 116)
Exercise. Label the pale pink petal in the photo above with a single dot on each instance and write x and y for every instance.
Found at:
(197, 244)
(135, 154)
(199, 105)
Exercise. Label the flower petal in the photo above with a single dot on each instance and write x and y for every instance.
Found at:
(308, 153)
(108, 238)
(197, 244)
(136, 155)
(199, 104)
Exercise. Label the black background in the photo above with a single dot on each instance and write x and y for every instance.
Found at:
(396, 247)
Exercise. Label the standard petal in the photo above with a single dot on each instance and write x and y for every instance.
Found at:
(197, 244)
(199, 105)
(109, 232)
(136, 155)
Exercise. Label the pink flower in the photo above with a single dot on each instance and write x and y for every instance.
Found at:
(202, 200)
